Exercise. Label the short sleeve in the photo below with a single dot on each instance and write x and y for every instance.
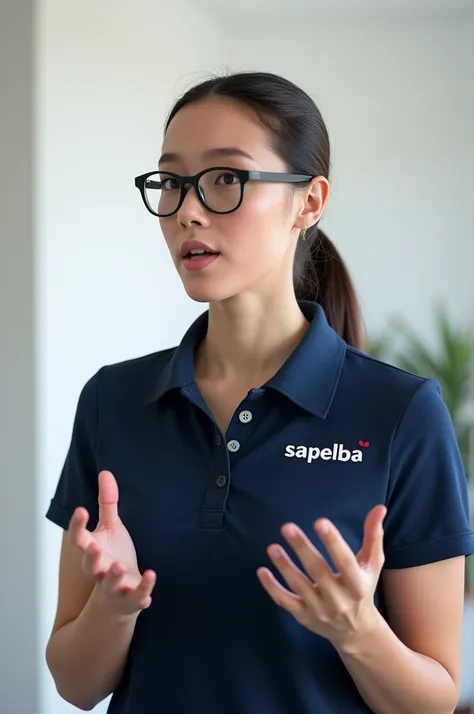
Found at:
(78, 481)
(427, 503)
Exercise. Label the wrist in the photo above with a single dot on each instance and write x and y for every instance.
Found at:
(362, 640)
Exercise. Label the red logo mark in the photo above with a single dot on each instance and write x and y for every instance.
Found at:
(364, 444)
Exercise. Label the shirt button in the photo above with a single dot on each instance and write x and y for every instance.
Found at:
(245, 417)
(233, 445)
(218, 440)
(221, 481)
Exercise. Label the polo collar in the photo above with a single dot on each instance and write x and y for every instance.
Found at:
(309, 377)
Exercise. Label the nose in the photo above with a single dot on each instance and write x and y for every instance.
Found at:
(192, 212)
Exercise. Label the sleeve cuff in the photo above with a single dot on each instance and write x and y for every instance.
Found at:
(424, 553)
(61, 516)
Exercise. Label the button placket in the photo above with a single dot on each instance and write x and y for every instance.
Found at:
(217, 491)
(240, 429)
(226, 452)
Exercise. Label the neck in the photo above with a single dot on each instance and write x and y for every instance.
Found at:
(249, 338)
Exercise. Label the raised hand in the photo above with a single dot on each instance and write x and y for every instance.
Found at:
(109, 555)
(339, 606)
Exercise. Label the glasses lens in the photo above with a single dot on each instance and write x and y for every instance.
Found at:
(162, 193)
(221, 190)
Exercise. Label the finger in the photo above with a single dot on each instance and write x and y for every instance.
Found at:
(309, 557)
(296, 580)
(371, 555)
(113, 580)
(342, 556)
(294, 604)
(78, 533)
(92, 561)
(141, 595)
(108, 499)
(145, 588)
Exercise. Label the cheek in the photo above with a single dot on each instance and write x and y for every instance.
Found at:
(266, 201)
(260, 224)
(169, 230)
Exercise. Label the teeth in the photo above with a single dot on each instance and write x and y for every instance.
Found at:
(197, 252)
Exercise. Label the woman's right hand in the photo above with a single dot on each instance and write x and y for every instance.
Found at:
(109, 555)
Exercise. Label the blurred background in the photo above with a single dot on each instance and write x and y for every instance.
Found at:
(85, 277)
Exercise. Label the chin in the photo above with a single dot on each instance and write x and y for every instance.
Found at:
(207, 293)
(206, 296)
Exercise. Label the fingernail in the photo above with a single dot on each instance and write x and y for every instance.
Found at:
(323, 527)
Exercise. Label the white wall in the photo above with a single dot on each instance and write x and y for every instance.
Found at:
(18, 497)
(107, 74)
(397, 96)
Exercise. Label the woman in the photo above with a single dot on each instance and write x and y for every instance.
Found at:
(303, 506)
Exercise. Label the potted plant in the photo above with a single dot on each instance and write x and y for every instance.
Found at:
(451, 362)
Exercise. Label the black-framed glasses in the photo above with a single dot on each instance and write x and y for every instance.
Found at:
(220, 188)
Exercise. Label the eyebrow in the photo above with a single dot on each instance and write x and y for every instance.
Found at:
(209, 154)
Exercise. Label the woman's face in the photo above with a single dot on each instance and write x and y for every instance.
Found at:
(255, 244)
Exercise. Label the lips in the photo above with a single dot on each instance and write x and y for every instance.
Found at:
(196, 256)
(191, 247)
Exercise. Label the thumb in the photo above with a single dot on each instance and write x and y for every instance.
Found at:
(371, 553)
(108, 499)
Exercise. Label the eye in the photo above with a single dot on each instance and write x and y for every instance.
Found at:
(227, 179)
(169, 184)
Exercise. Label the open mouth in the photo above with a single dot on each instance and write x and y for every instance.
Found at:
(198, 254)
(199, 259)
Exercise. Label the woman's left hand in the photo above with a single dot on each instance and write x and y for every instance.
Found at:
(339, 606)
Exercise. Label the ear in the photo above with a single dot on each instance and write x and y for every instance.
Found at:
(312, 203)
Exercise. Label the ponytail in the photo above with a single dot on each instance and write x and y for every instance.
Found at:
(321, 276)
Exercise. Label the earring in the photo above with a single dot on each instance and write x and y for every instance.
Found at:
(303, 233)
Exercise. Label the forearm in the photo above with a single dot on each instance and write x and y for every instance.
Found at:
(393, 679)
(87, 657)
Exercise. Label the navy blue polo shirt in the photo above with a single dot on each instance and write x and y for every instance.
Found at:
(332, 434)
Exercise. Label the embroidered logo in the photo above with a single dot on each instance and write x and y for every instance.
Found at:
(337, 452)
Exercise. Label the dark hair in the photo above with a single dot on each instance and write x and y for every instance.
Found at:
(298, 134)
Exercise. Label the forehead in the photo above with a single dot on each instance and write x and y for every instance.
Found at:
(216, 122)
